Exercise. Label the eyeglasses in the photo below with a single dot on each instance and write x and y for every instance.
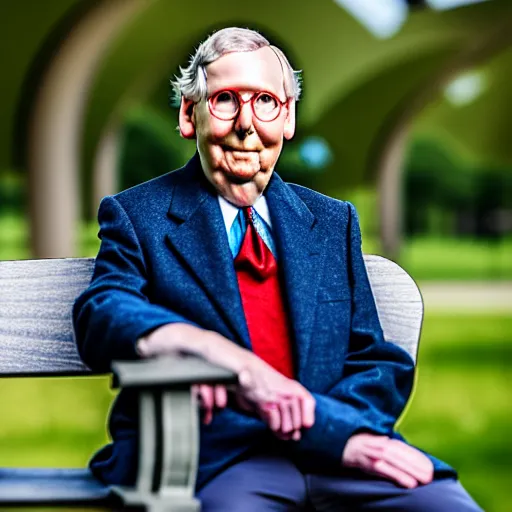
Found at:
(225, 105)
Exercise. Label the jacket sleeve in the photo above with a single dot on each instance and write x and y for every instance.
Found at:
(114, 311)
(377, 375)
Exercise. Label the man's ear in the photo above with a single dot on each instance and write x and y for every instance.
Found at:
(186, 119)
(289, 122)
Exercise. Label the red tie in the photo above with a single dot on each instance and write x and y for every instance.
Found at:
(262, 299)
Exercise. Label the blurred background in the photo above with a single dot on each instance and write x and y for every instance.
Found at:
(406, 112)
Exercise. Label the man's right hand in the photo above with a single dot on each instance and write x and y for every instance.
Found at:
(284, 404)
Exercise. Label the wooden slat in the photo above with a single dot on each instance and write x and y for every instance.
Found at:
(399, 302)
(52, 487)
(36, 297)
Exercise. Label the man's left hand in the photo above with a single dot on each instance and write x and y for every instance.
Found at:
(210, 397)
(388, 458)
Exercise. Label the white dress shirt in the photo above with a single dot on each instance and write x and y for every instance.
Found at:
(229, 211)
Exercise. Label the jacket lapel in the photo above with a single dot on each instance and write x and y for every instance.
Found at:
(300, 255)
(198, 235)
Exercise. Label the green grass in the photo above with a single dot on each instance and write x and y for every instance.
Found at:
(457, 259)
(15, 245)
(462, 403)
(450, 259)
(53, 422)
(460, 410)
(431, 258)
(13, 237)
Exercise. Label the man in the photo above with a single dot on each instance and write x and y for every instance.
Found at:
(223, 259)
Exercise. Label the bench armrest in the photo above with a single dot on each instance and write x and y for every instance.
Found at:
(171, 372)
(168, 428)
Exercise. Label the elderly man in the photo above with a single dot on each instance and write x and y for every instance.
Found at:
(223, 259)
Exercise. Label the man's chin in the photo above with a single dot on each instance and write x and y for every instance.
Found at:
(242, 194)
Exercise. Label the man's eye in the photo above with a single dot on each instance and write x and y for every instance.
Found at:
(224, 97)
(224, 103)
(265, 98)
(265, 105)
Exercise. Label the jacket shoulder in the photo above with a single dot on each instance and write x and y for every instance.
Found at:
(322, 205)
(152, 196)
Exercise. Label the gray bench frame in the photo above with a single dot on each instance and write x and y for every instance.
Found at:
(36, 339)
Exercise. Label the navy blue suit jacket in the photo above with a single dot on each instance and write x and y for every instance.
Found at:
(165, 257)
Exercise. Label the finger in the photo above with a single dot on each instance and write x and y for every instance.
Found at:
(283, 436)
(373, 451)
(375, 441)
(296, 413)
(206, 401)
(308, 405)
(410, 453)
(206, 396)
(382, 468)
(272, 416)
(409, 460)
(221, 397)
(286, 417)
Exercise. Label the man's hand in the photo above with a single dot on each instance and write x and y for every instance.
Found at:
(284, 404)
(210, 398)
(388, 458)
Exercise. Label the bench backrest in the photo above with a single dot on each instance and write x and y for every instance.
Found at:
(36, 297)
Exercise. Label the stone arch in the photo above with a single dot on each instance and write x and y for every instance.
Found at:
(56, 124)
(390, 146)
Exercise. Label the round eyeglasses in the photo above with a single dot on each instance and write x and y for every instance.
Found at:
(225, 105)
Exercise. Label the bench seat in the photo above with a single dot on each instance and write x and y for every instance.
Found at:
(36, 340)
(63, 487)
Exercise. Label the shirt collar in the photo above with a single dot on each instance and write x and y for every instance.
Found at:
(229, 211)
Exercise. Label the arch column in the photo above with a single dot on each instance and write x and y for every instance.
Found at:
(105, 180)
(390, 193)
(390, 156)
(56, 128)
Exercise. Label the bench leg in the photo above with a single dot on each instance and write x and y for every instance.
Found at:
(168, 453)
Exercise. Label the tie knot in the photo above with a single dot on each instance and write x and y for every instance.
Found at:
(249, 214)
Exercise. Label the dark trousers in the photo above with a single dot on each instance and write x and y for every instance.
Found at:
(267, 482)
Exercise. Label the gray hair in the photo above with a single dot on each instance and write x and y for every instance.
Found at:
(191, 82)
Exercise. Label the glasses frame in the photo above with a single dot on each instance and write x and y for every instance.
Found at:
(242, 102)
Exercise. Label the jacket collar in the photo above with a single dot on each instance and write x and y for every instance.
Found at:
(298, 241)
(198, 234)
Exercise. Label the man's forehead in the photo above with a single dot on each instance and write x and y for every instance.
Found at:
(256, 70)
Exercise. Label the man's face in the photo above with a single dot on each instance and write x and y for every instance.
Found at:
(238, 155)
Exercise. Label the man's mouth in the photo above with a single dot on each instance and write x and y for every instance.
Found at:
(238, 180)
(241, 164)
(241, 151)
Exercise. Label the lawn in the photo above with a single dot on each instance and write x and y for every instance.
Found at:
(460, 411)
(462, 403)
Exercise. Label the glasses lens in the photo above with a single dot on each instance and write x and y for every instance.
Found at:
(224, 104)
(266, 107)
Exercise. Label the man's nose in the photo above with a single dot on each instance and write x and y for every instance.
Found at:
(243, 122)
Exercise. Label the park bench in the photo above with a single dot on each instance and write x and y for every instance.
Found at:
(36, 340)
